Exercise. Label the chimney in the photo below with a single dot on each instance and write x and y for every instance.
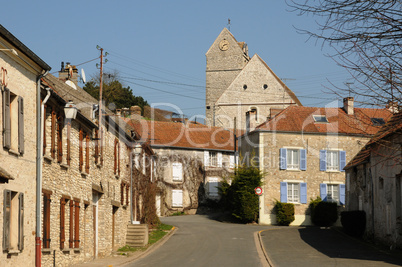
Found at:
(392, 106)
(135, 112)
(348, 105)
(118, 112)
(68, 72)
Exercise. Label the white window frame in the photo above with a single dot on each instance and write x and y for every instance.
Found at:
(293, 192)
(175, 197)
(333, 193)
(332, 160)
(177, 168)
(292, 156)
(213, 159)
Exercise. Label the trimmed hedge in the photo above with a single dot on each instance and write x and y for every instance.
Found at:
(354, 222)
(285, 213)
(323, 213)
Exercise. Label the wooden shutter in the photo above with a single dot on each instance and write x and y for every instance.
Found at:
(6, 219)
(6, 119)
(323, 192)
(342, 160)
(303, 193)
(127, 193)
(87, 153)
(122, 193)
(323, 160)
(177, 171)
(59, 139)
(53, 134)
(81, 156)
(46, 220)
(77, 224)
(177, 198)
(62, 222)
(21, 147)
(303, 160)
(71, 237)
(231, 161)
(282, 158)
(118, 158)
(115, 156)
(68, 143)
(21, 221)
(219, 159)
(284, 192)
(206, 158)
(342, 194)
(44, 129)
(101, 146)
(96, 146)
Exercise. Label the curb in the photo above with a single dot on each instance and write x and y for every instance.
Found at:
(261, 248)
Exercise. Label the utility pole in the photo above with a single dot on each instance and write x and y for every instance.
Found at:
(100, 117)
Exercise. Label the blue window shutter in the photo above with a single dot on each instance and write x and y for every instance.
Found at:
(303, 160)
(342, 194)
(342, 160)
(323, 192)
(282, 159)
(284, 192)
(323, 160)
(303, 193)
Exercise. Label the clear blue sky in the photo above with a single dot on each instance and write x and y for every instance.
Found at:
(159, 45)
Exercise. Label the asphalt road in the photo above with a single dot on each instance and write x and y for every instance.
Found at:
(200, 241)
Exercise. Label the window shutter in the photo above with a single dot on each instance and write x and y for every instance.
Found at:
(213, 185)
(46, 220)
(44, 129)
(177, 169)
(53, 135)
(284, 192)
(77, 224)
(323, 192)
(6, 219)
(231, 161)
(96, 146)
(122, 193)
(177, 198)
(6, 119)
(303, 159)
(342, 160)
(342, 194)
(219, 159)
(21, 125)
(62, 222)
(206, 158)
(282, 159)
(323, 160)
(21, 222)
(59, 139)
(303, 193)
(87, 153)
(68, 143)
(81, 156)
(115, 156)
(127, 193)
(71, 238)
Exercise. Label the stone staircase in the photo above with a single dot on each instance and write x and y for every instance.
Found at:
(137, 235)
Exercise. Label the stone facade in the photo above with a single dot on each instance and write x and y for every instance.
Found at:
(236, 85)
(19, 73)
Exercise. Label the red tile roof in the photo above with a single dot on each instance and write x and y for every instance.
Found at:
(300, 119)
(175, 134)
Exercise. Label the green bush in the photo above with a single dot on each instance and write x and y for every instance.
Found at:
(285, 213)
(323, 213)
(354, 222)
(239, 197)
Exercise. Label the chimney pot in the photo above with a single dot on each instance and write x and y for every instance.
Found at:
(348, 103)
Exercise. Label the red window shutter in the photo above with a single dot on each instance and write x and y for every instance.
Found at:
(127, 188)
(6, 119)
(71, 239)
(101, 146)
(68, 143)
(118, 157)
(87, 153)
(59, 138)
(81, 156)
(62, 222)
(53, 135)
(96, 146)
(21, 147)
(46, 221)
(122, 193)
(115, 156)
(6, 219)
(44, 130)
(77, 224)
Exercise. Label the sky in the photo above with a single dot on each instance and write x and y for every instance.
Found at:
(158, 47)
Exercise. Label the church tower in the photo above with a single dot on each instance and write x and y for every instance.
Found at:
(225, 59)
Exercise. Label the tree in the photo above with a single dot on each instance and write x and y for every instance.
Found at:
(366, 37)
(113, 92)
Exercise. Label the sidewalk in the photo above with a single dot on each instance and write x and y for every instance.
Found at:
(312, 246)
(117, 260)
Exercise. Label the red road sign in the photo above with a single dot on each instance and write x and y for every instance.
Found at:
(258, 191)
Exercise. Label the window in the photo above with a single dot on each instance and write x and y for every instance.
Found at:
(177, 198)
(13, 121)
(332, 160)
(87, 144)
(124, 189)
(73, 226)
(377, 121)
(46, 218)
(13, 221)
(213, 184)
(60, 124)
(293, 192)
(212, 159)
(320, 118)
(293, 159)
(333, 193)
(81, 152)
(177, 171)
(116, 157)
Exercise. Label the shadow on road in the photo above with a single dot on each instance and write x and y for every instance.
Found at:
(335, 244)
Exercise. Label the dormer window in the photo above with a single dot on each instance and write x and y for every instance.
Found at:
(320, 118)
(377, 121)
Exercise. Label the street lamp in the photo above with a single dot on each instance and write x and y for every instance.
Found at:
(136, 151)
(70, 110)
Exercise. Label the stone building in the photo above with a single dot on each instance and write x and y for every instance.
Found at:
(302, 152)
(191, 161)
(86, 179)
(20, 70)
(374, 184)
(241, 87)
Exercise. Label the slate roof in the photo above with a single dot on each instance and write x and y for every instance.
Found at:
(192, 136)
(300, 119)
(394, 125)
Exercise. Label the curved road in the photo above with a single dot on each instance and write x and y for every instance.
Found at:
(200, 241)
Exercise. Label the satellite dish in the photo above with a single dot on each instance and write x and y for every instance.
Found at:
(83, 77)
(71, 84)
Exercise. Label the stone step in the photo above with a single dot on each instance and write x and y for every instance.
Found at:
(137, 235)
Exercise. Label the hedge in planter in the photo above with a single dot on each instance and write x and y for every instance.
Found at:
(285, 213)
(354, 222)
(323, 213)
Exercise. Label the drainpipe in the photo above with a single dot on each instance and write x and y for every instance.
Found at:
(39, 156)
